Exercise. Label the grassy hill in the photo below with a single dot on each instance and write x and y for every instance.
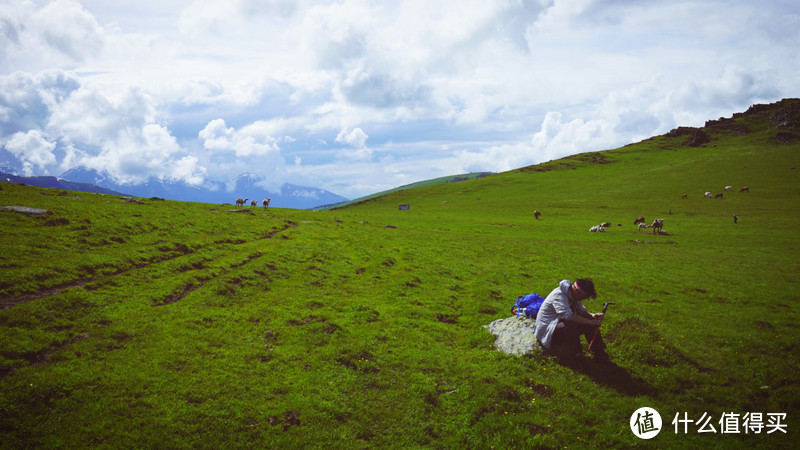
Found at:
(419, 184)
(168, 324)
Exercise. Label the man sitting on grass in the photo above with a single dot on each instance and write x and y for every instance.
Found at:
(563, 318)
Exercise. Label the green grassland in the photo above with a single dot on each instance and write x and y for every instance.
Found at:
(162, 324)
(419, 184)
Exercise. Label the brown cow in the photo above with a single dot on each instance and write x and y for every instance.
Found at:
(744, 189)
(685, 196)
(536, 214)
(718, 196)
(639, 219)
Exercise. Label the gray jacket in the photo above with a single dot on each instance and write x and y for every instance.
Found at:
(556, 307)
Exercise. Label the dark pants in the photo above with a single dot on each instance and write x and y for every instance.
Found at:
(568, 337)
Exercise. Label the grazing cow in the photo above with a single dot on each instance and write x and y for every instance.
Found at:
(728, 188)
(744, 189)
(657, 225)
(718, 195)
(643, 226)
(708, 195)
(536, 214)
(605, 224)
(685, 196)
(639, 219)
(597, 229)
(735, 219)
(266, 202)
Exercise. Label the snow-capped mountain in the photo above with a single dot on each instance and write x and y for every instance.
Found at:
(245, 186)
(55, 182)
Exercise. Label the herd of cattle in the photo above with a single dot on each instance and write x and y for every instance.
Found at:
(658, 224)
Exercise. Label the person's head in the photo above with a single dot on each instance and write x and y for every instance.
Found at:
(583, 289)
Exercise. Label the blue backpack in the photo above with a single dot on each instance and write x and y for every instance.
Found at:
(528, 305)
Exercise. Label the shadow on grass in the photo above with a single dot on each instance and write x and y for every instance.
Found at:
(609, 374)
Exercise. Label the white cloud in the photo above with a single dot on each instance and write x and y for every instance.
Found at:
(249, 141)
(60, 32)
(226, 86)
(220, 16)
(27, 99)
(69, 28)
(94, 118)
(32, 149)
(230, 152)
(355, 137)
(116, 132)
(148, 152)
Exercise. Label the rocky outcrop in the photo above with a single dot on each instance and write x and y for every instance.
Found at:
(515, 336)
(697, 137)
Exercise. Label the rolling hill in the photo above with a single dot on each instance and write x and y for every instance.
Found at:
(419, 184)
(179, 324)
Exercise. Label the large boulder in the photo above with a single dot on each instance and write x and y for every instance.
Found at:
(515, 336)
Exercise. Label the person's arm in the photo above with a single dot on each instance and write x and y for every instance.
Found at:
(577, 318)
(587, 315)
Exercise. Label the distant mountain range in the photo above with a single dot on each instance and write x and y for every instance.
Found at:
(53, 182)
(246, 186)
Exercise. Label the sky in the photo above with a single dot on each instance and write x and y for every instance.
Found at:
(358, 96)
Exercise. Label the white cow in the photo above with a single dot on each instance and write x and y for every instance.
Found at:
(708, 195)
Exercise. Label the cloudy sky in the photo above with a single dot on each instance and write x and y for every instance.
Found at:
(358, 96)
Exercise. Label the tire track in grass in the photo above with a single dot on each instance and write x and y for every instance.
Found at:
(44, 355)
(182, 249)
(9, 302)
(189, 287)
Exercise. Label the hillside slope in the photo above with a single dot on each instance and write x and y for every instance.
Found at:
(757, 149)
(178, 324)
(419, 184)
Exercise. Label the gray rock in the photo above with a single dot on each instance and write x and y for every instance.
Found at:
(28, 211)
(515, 336)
